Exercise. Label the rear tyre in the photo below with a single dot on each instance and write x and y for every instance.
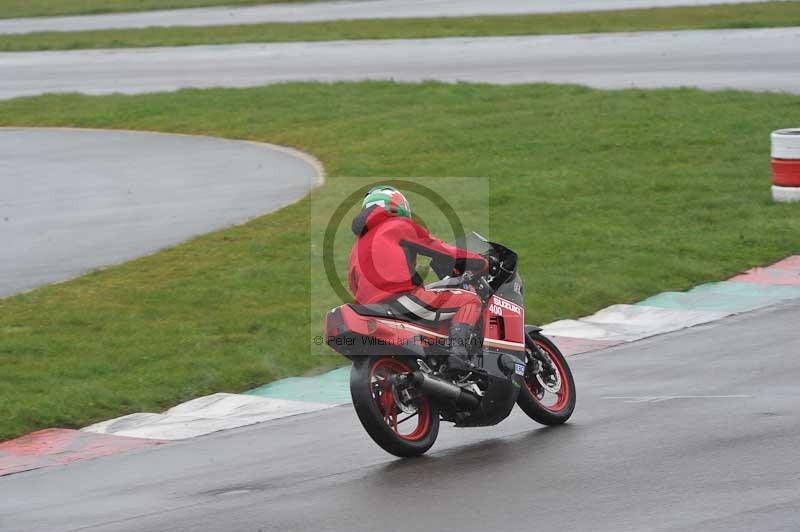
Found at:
(403, 429)
(547, 396)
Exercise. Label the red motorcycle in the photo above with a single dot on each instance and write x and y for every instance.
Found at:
(401, 385)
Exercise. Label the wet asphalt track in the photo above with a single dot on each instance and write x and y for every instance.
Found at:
(761, 60)
(634, 458)
(339, 10)
(73, 200)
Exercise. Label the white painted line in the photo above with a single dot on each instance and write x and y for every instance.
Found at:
(659, 398)
(204, 415)
(581, 329)
(627, 323)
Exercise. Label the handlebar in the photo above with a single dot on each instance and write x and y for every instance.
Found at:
(502, 266)
(479, 282)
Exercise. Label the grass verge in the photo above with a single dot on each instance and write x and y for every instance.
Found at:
(52, 8)
(725, 16)
(609, 196)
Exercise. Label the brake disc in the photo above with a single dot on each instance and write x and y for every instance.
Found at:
(551, 382)
(402, 403)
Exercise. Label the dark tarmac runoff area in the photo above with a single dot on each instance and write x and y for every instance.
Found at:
(73, 200)
(691, 431)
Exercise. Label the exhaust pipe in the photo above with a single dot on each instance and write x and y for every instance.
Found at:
(444, 390)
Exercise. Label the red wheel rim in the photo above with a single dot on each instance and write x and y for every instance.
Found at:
(559, 400)
(399, 422)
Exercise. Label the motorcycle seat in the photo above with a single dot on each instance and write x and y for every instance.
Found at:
(376, 310)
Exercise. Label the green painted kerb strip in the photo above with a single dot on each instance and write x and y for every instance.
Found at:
(332, 387)
(724, 296)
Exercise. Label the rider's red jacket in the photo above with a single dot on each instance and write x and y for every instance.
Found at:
(383, 261)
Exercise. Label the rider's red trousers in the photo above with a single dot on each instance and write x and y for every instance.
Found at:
(462, 306)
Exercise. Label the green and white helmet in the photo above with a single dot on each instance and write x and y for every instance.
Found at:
(389, 198)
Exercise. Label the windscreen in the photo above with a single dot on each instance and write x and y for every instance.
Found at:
(473, 242)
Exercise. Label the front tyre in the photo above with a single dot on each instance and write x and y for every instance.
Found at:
(548, 391)
(401, 427)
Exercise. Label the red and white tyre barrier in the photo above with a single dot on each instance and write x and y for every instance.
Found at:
(786, 165)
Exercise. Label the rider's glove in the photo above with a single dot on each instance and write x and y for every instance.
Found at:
(494, 264)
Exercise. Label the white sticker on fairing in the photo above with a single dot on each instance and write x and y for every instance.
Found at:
(519, 369)
(498, 303)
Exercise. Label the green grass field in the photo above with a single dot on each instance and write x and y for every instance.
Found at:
(758, 15)
(609, 196)
(48, 8)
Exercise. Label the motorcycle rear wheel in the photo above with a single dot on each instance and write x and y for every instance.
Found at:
(387, 420)
(535, 396)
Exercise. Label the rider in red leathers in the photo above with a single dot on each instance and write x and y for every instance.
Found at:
(383, 268)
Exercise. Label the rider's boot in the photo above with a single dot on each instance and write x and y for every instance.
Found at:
(460, 337)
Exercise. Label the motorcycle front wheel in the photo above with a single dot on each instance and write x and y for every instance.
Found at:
(401, 427)
(547, 395)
